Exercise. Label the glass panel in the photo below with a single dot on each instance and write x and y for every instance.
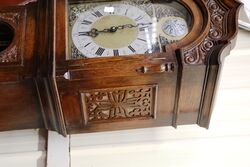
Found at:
(120, 28)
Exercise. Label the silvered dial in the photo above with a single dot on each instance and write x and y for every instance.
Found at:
(175, 27)
(112, 30)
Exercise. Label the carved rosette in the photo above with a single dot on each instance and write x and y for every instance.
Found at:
(218, 15)
(11, 17)
(10, 55)
(118, 104)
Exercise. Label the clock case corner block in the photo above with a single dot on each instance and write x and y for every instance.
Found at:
(40, 88)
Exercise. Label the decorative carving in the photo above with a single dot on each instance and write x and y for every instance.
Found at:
(218, 15)
(10, 17)
(217, 31)
(15, 19)
(9, 56)
(192, 56)
(117, 104)
(75, 53)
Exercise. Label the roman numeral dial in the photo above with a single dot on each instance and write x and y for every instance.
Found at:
(125, 40)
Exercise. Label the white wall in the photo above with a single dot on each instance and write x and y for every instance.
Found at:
(244, 20)
(247, 7)
(24, 148)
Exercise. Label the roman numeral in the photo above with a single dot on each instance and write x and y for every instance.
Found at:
(86, 22)
(87, 44)
(97, 14)
(116, 52)
(99, 51)
(142, 39)
(143, 28)
(82, 34)
(139, 18)
(131, 48)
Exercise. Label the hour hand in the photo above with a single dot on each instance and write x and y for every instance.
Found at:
(92, 33)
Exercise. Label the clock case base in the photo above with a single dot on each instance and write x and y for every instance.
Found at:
(36, 93)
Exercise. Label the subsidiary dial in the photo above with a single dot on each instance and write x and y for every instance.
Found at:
(175, 27)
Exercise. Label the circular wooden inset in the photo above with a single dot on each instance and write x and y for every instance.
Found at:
(6, 35)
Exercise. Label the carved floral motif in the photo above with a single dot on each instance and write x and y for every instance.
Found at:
(217, 31)
(192, 56)
(11, 17)
(9, 56)
(119, 104)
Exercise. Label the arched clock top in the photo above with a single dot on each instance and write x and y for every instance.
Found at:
(122, 28)
(204, 27)
(222, 28)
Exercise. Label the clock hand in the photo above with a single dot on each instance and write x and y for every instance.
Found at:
(94, 32)
(121, 27)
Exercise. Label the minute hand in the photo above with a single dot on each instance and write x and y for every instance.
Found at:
(94, 32)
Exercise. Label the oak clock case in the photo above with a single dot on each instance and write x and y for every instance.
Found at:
(88, 66)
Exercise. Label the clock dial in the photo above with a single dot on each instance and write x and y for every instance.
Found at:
(175, 27)
(172, 28)
(93, 36)
(120, 28)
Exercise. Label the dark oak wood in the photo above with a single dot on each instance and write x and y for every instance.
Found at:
(13, 2)
(40, 88)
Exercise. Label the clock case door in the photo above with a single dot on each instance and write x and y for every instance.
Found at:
(112, 93)
(181, 81)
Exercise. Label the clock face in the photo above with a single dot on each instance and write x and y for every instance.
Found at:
(173, 28)
(121, 28)
(115, 30)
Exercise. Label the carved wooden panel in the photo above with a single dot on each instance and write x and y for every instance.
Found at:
(116, 104)
(218, 31)
(15, 18)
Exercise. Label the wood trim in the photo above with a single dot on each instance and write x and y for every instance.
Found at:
(214, 62)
